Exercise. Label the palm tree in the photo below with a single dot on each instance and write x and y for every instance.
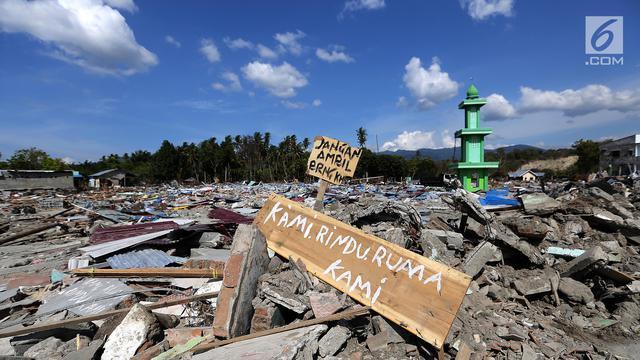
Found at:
(361, 133)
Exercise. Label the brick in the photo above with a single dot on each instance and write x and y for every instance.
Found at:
(178, 336)
(266, 316)
(247, 261)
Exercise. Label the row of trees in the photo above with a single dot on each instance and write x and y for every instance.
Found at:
(256, 157)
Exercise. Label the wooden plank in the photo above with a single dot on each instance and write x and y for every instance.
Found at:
(300, 324)
(332, 160)
(81, 319)
(150, 272)
(419, 294)
(320, 198)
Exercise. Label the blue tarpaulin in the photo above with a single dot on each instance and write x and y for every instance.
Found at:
(498, 197)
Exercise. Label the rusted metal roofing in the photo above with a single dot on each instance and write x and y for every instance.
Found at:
(225, 216)
(126, 231)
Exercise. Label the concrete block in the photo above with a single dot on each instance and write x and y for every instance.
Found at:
(282, 346)
(582, 262)
(135, 329)
(247, 261)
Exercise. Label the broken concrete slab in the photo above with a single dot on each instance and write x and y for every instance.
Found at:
(586, 260)
(247, 261)
(534, 284)
(333, 340)
(284, 298)
(50, 348)
(266, 316)
(285, 346)
(86, 353)
(600, 194)
(507, 237)
(539, 204)
(477, 258)
(575, 291)
(530, 227)
(324, 304)
(605, 219)
(135, 329)
(393, 332)
(395, 236)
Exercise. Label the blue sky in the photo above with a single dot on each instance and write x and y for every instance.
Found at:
(83, 78)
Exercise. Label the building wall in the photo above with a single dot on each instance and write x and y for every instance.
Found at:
(528, 177)
(41, 181)
(622, 156)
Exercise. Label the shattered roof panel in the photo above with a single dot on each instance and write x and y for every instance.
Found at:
(101, 291)
(126, 231)
(148, 258)
(225, 216)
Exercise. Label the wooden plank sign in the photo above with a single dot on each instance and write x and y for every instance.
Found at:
(419, 294)
(332, 160)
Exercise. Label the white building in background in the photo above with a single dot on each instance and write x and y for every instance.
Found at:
(622, 156)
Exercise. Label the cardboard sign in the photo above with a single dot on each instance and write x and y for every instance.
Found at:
(332, 160)
(421, 295)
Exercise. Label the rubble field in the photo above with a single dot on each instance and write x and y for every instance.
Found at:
(171, 272)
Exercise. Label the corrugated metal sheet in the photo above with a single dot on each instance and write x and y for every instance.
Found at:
(126, 231)
(225, 216)
(78, 297)
(143, 259)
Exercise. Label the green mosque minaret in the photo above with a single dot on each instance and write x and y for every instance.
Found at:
(473, 171)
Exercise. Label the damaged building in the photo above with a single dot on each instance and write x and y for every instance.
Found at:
(36, 179)
(111, 178)
(622, 156)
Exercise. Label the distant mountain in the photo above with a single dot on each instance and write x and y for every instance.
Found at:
(447, 153)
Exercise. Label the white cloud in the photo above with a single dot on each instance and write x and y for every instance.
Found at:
(498, 108)
(238, 43)
(90, 33)
(447, 139)
(482, 9)
(209, 49)
(316, 102)
(171, 40)
(281, 81)
(289, 41)
(233, 82)
(335, 53)
(402, 102)
(266, 52)
(413, 140)
(355, 5)
(293, 105)
(588, 99)
(127, 5)
(200, 104)
(68, 160)
(429, 86)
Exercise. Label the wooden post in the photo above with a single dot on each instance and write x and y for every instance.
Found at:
(320, 198)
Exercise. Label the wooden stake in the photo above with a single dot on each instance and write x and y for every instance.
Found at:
(81, 319)
(27, 232)
(150, 272)
(320, 198)
(339, 316)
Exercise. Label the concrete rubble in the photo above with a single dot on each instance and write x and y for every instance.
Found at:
(557, 276)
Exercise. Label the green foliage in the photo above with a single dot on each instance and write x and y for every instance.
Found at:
(255, 157)
(588, 156)
(361, 134)
(35, 159)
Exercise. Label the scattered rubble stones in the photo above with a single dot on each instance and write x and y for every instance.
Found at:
(579, 301)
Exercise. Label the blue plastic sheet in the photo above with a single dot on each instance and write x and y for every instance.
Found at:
(498, 197)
